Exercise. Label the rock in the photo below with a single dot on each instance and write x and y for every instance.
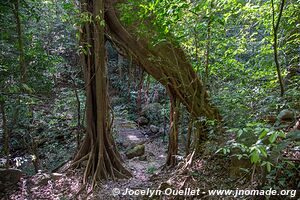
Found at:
(143, 158)
(136, 151)
(154, 129)
(285, 115)
(41, 179)
(142, 121)
(11, 176)
(56, 176)
(297, 125)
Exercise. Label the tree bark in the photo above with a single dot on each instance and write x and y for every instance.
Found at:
(98, 147)
(189, 135)
(173, 134)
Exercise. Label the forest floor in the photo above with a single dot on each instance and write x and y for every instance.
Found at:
(208, 172)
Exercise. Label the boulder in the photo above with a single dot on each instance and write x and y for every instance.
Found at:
(10, 176)
(136, 151)
(154, 129)
(142, 121)
(285, 115)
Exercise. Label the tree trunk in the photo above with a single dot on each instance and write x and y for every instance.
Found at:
(173, 135)
(23, 70)
(147, 97)
(189, 135)
(275, 43)
(98, 146)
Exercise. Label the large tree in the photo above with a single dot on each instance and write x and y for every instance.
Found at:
(165, 62)
(98, 146)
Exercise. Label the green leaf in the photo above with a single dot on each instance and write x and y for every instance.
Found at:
(255, 156)
(273, 137)
(263, 151)
(240, 132)
(263, 134)
(281, 134)
(268, 166)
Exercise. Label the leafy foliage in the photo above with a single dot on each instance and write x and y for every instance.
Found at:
(265, 147)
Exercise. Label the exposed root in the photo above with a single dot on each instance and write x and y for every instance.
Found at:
(77, 162)
(187, 163)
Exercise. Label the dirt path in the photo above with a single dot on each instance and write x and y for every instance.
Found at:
(142, 168)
